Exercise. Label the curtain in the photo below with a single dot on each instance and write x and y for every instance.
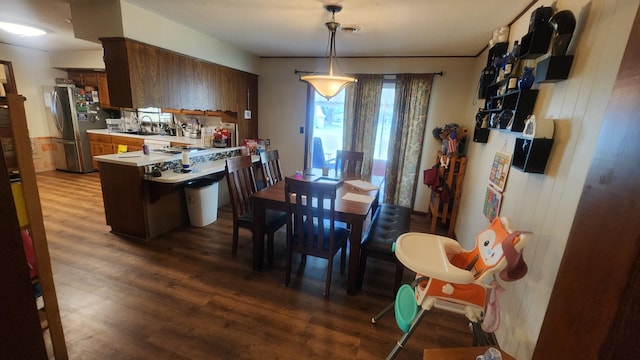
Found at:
(407, 136)
(362, 105)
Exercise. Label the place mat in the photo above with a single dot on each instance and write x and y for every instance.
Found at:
(367, 199)
(361, 185)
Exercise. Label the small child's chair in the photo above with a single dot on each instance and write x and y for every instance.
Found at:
(450, 278)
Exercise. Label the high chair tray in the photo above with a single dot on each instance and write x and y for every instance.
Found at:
(428, 254)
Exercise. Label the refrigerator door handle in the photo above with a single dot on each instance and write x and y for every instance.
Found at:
(55, 105)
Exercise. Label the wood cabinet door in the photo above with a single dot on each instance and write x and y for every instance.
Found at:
(103, 91)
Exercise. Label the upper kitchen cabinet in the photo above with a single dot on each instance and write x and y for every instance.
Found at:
(95, 79)
(141, 75)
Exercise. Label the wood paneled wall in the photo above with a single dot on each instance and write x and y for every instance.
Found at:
(143, 75)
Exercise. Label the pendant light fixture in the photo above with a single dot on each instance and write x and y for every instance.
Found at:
(329, 85)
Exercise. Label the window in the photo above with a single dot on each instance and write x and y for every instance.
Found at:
(327, 131)
(328, 128)
(383, 128)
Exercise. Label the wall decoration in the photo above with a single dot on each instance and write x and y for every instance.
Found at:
(529, 127)
(500, 170)
(492, 200)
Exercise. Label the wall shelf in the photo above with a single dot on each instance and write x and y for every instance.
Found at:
(481, 135)
(531, 154)
(520, 102)
(553, 68)
(536, 43)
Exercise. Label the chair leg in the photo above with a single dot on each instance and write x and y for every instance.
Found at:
(403, 340)
(374, 320)
(287, 277)
(234, 244)
(343, 258)
(362, 267)
(327, 285)
(270, 241)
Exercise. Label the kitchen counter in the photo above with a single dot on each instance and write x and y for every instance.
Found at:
(203, 162)
(167, 138)
(140, 205)
(138, 158)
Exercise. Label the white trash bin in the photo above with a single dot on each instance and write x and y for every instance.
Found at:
(202, 201)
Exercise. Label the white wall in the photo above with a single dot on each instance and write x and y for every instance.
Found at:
(32, 70)
(121, 19)
(282, 101)
(77, 59)
(546, 204)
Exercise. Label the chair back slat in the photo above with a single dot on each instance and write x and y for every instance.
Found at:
(349, 162)
(242, 183)
(311, 212)
(271, 169)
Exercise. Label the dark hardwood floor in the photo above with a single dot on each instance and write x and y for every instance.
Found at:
(183, 296)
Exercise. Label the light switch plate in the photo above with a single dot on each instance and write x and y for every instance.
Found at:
(247, 114)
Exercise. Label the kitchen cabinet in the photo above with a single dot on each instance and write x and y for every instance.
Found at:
(104, 144)
(129, 208)
(24, 325)
(100, 145)
(103, 91)
(132, 144)
(94, 79)
(141, 75)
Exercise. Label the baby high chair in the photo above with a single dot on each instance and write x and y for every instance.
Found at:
(451, 278)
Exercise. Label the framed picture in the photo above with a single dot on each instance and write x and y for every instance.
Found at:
(500, 170)
(492, 200)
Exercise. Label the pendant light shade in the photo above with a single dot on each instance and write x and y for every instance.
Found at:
(329, 85)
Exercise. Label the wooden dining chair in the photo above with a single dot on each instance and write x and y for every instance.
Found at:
(311, 225)
(271, 169)
(242, 184)
(349, 162)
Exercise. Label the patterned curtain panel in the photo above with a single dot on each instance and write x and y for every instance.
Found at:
(362, 105)
(407, 135)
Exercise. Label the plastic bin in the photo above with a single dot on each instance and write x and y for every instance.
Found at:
(202, 201)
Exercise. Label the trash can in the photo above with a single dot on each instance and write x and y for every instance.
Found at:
(202, 201)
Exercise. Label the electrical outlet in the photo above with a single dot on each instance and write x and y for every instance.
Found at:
(247, 114)
(301, 130)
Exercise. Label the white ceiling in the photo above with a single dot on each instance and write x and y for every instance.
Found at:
(295, 28)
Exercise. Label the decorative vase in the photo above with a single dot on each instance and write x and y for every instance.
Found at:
(526, 79)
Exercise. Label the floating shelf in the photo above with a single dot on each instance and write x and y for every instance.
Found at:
(531, 155)
(554, 68)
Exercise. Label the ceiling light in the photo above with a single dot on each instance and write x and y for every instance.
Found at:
(22, 30)
(329, 85)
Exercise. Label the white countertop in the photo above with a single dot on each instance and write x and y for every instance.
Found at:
(200, 169)
(138, 158)
(172, 177)
(167, 138)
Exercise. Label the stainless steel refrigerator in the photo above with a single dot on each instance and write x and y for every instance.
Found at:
(71, 112)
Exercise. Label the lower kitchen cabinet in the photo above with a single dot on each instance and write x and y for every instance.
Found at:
(130, 207)
(104, 144)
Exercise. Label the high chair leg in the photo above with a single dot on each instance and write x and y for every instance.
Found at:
(403, 340)
(382, 313)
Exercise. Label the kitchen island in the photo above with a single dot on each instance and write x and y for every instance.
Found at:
(143, 195)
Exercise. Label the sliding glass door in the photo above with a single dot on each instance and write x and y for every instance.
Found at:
(326, 128)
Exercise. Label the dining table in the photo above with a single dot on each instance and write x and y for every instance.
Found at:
(355, 205)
